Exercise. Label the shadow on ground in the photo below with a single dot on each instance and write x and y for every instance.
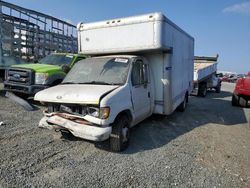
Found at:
(157, 131)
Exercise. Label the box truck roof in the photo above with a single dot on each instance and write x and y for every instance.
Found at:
(128, 35)
(156, 16)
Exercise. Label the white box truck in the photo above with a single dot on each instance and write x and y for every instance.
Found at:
(138, 66)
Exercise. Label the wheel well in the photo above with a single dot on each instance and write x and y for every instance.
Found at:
(186, 96)
(56, 82)
(126, 113)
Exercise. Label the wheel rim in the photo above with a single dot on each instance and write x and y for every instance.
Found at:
(204, 92)
(184, 103)
(125, 134)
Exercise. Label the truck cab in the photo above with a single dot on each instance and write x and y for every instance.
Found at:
(100, 91)
(28, 79)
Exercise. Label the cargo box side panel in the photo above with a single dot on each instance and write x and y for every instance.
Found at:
(118, 38)
(181, 66)
(156, 64)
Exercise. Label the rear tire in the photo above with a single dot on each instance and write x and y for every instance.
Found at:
(203, 90)
(183, 105)
(218, 89)
(119, 139)
(235, 102)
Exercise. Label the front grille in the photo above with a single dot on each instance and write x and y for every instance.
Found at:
(68, 108)
(20, 76)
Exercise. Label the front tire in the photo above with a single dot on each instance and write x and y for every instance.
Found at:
(243, 102)
(235, 102)
(119, 139)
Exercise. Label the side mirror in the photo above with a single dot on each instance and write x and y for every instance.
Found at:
(65, 68)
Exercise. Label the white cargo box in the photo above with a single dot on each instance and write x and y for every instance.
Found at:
(168, 49)
(132, 34)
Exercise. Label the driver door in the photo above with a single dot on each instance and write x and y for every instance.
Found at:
(140, 90)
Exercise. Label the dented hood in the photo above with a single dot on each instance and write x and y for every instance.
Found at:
(74, 93)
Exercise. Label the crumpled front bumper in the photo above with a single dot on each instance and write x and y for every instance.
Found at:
(87, 132)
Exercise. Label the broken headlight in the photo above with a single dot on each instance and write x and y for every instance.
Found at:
(102, 113)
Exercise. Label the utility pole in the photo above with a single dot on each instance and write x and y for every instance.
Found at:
(1, 35)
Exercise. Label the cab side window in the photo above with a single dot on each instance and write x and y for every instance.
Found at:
(138, 71)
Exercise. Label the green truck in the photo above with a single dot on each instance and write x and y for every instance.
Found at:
(28, 79)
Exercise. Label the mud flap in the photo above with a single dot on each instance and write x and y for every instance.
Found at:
(27, 106)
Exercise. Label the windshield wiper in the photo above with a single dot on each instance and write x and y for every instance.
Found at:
(69, 83)
(97, 83)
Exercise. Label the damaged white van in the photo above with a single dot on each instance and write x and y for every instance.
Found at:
(138, 66)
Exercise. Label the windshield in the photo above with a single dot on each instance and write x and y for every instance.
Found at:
(57, 59)
(7, 61)
(106, 71)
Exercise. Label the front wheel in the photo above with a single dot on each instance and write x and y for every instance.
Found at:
(235, 102)
(119, 139)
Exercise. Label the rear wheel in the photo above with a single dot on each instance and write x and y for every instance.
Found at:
(235, 102)
(203, 90)
(183, 105)
(119, 139)
(218, 88)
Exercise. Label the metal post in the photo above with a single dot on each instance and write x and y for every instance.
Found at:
(1, 20)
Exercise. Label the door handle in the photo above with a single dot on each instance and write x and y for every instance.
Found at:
(148, 94)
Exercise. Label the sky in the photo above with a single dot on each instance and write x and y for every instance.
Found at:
(218, 26)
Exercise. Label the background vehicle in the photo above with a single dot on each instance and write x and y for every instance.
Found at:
(8, 61)
(232, 78)
(31, 35)
(241, 94)
(205, 75)
(103, 97)
(33, 77)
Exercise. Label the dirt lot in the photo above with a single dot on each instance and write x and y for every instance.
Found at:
(206, 146)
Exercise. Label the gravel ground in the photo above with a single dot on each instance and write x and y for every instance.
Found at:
(206, 146)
